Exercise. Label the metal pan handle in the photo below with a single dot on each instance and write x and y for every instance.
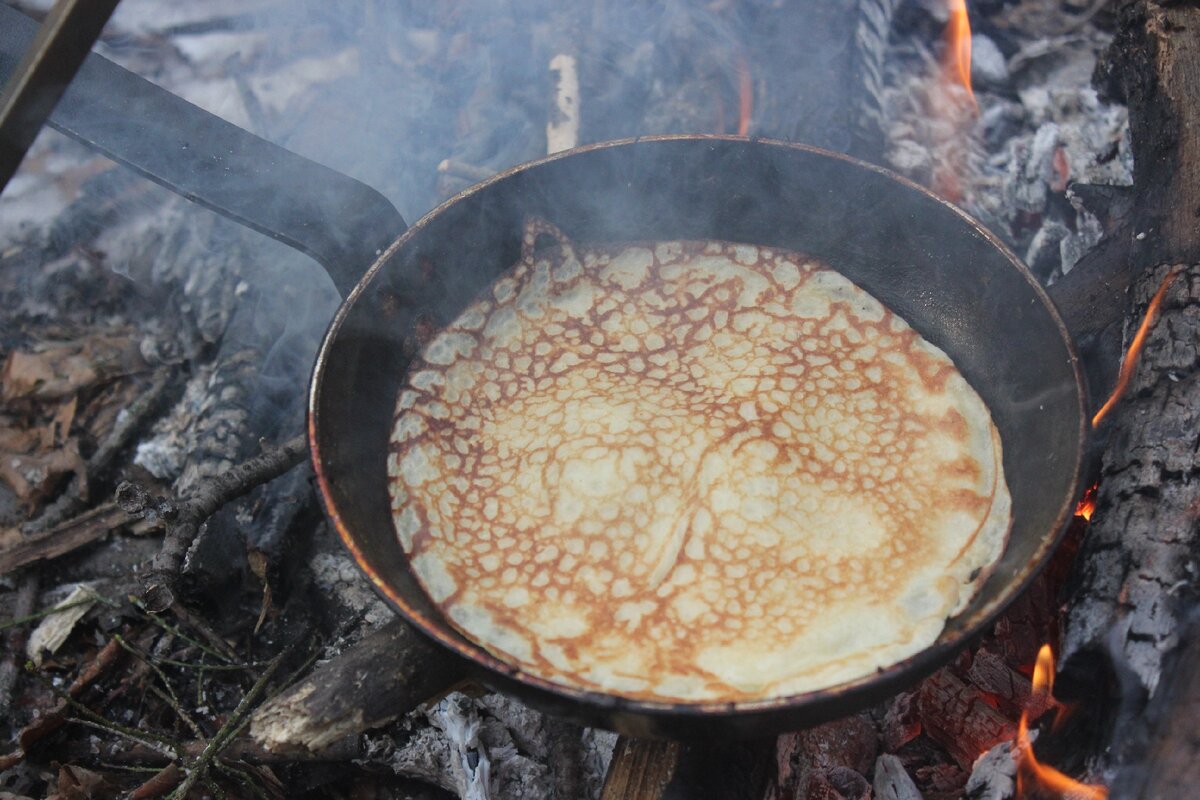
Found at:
(342, 223)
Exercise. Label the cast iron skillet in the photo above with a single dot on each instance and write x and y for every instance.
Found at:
(924, 259)
(927, 261)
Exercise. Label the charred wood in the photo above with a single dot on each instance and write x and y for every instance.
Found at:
(88, 527)
(721, 770)
(1135, 577)
(1133, 580)
(1165, 763)
(955, 715)
(828, 759)
(384, 675)
(14, 644)
(640, 769)
(188, 515)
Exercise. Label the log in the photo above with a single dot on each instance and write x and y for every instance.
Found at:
(1133, 584)
(384, 675)
(1167, 764)
(640, 769)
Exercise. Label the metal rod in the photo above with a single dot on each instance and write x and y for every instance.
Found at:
(43, 74)
(341, 222)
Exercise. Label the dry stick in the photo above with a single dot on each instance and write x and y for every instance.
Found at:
(168, 696)
(159, 784)
(67, 504)
(233, 726)
(159, 591)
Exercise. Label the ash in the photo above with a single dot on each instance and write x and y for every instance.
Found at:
(149, 341)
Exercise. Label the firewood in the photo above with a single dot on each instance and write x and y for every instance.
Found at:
(1133, 579)
(809, 762)
(382, 676)
(182, 525)
(1167, 766)
(955, 715)
(88, 527)
(640, 769)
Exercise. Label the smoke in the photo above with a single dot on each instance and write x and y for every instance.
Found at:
(387, 91)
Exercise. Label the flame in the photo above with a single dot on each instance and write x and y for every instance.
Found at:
(1135, 348)
(1044, 778)
(952, 100)
(745, 96)
(1087, 506)
(956, 63)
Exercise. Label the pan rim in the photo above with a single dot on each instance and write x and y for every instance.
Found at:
(893, 676)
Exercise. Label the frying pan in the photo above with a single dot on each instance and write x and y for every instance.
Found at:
(952, 280)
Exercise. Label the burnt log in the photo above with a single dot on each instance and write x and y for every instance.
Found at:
(955, 715)
(1135, 579)
(1132, 575)
(384, 675)
(1166, 758)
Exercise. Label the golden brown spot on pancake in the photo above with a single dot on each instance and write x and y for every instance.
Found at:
(692, 471)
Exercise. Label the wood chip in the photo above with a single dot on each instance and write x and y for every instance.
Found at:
(54, 629)
(892, 781)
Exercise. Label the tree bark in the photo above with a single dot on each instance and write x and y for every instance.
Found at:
(1135, 577)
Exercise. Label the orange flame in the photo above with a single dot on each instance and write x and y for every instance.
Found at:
(1087, 506)
(745, 96)
(956, 63)
(1046, 778)
(1135, 348)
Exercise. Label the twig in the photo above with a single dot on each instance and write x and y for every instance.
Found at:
(169, 697)
(66, 538)
(237, 721)
(178, 633)
(244, 776)
(45, 612)
(159, 588)
(73, 498)
(201, 626)
(159, 784)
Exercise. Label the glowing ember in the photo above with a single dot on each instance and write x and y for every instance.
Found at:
(1033, 776)
(1135, 348)
(745, 96)
(956, 63)
(1087, 506)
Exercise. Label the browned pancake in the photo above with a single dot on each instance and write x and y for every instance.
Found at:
(693, 471)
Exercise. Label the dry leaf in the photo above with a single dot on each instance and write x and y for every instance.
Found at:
(77, 783)
(31, 477)
(54, 629)
(54, 370)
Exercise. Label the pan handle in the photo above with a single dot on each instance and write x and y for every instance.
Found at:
(342, 223)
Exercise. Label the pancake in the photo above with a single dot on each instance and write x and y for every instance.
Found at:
(692, 472)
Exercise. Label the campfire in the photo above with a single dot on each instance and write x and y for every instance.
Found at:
(179, 618)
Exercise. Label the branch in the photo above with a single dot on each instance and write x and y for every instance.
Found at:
(184, 519)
